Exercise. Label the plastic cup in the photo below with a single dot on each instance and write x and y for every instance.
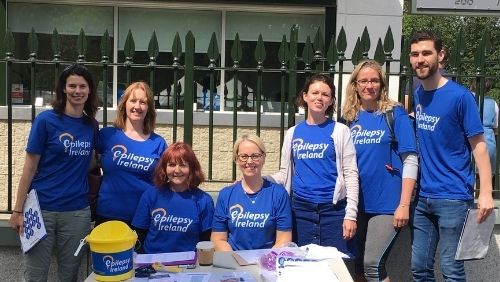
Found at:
(205, 251)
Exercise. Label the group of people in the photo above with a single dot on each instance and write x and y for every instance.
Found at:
(346, 184)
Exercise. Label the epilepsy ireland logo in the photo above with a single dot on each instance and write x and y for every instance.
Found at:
(128, 159)
(74, 147)
(170, 222)
(362, 136)
(425, 121)
(306, 150)
(240, 218)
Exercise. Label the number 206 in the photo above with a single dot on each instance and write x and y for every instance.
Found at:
(464, 2)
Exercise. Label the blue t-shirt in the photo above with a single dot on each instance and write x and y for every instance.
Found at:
(380, 191)
(446, 117)
(128, 167)
(251, 221)
(174, 220)
(65, 147)
(315, 168)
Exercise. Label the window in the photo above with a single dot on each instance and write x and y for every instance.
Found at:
(68, 20)
(165, 23)
(272, 27)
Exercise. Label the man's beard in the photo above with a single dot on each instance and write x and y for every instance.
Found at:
(433, 68)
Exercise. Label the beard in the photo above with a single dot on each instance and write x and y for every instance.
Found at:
(423, 74)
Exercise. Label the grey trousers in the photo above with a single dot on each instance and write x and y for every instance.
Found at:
(64, 232)
(375, 237)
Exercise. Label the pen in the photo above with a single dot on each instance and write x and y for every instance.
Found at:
(224, 266)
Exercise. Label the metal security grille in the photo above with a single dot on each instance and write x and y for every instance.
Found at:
(313, 56)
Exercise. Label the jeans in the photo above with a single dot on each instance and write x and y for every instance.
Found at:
(321, 224)
(375, 237)
(437, 220)
(64, 232)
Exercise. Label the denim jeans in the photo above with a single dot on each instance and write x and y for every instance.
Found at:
(321, 224)
(437, 220)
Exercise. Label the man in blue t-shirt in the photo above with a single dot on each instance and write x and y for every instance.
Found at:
(449, 129)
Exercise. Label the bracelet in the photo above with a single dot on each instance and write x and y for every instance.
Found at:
(20, 212)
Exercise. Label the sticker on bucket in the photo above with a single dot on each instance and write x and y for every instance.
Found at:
(112, 264)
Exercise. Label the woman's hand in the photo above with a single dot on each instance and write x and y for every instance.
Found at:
(16, 222)
(401, 216)
(220, 241)
(349, 227)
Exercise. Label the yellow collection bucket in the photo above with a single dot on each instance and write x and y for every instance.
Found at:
(112, 246)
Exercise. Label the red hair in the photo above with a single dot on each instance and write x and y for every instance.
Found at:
(179, 152)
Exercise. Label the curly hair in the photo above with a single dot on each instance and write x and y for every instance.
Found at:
(352, 104)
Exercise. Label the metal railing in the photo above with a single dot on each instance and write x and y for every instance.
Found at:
(315, 57)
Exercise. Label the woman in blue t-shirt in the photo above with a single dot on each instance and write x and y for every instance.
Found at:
(177, 214)
(318, 168)
(386, 152)
(58, 155)
(253, 213)
(128, 152)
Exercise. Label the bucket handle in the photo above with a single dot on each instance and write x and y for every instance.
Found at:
(82, 243)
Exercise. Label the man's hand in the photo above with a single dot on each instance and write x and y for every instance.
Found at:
(485, 206)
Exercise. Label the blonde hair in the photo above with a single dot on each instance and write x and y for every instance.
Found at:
(353, 103)
(251, 138)
(121, 113)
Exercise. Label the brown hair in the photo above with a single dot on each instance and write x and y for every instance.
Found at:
(314, 78)
(424, 35)
(91, 105)
(121, 112)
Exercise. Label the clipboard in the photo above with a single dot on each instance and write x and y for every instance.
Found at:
(475, 238)
(34, 227)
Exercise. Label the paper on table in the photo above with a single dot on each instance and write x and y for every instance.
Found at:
(175, 277)
(167, 258)
(475, 238)
(232, 276)
(34, 227)
(297, 270)
(314, 251)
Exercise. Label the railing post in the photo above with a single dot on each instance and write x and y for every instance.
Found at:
(284, 57)
(153, 52)
(9, 56)
(260, 57)
(129, 51)
(33, 46)
(188, 88)
(213, 55)
(340, 56)
(176, 53)
(105, 51)
(292, 76)
(236, 55)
